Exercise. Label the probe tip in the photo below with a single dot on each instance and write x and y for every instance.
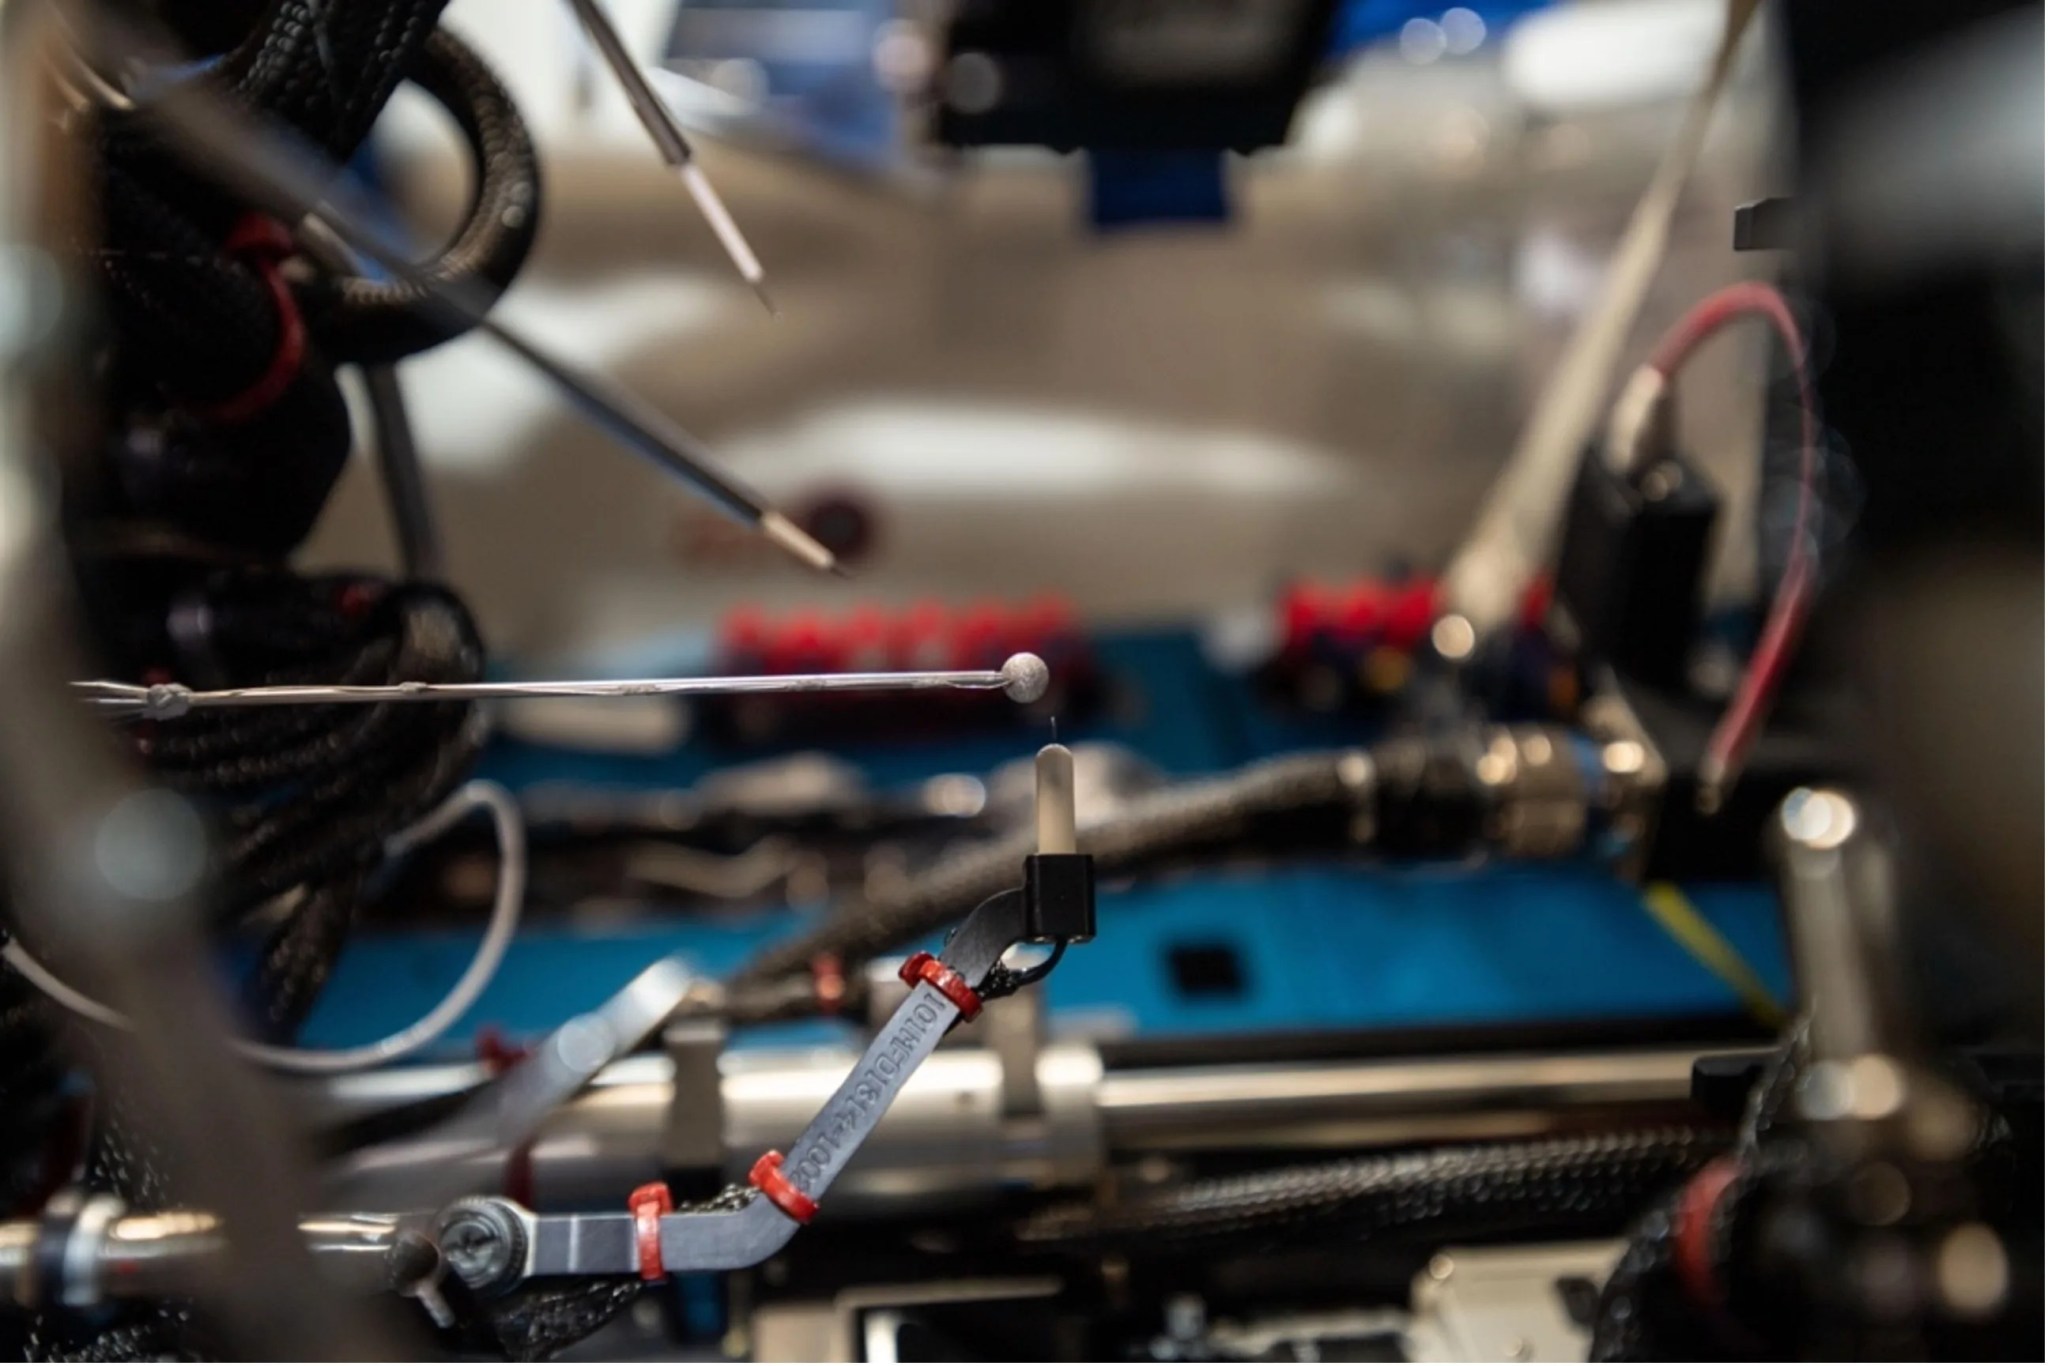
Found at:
(767, 302)
(798, 542)
(1025, 678)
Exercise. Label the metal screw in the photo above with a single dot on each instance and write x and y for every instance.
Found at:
(482, 1244)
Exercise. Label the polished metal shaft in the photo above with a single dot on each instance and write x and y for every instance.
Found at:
(1023, 678)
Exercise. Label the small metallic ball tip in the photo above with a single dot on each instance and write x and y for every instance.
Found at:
(1025, 678)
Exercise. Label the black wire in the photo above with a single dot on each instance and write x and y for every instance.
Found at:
(405, 485)
(1300, 798)
(1005, 981)
(1582, 1183)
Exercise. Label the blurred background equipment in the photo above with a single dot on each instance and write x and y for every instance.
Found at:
(1419, 747)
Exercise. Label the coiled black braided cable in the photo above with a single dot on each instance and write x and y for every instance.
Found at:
(327, 68)
(379, 321)
(306, 800)
(307, 796)
(1562, 1185)
(195, 327)
(322, 69)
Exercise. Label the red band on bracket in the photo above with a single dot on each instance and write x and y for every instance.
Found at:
(828, 983)
(767, 1178)
(1691, 1246)
(648, 1204)
(266, 243)
(922, 967)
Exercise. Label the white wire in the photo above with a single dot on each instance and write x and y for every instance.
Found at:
(507, 901)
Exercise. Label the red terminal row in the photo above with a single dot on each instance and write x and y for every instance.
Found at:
(1375, 613)
(926, 635)
(1365, 613)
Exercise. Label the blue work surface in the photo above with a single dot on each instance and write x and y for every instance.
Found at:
(1336, 948)
(1303, 946)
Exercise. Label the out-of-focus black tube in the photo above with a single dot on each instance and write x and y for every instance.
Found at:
(405, 484)
(1585, 1183)
(1318, 792)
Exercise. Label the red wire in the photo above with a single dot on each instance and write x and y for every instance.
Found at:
(1736, 732)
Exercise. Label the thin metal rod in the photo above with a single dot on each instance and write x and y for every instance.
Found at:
(670, 143)
(294, 183)
(1023, 677)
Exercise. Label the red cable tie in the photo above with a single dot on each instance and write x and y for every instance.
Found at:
(1692, 1232)
(767, 1177)
(923, 967)
(266, 243)
(496, 1052)
(648, 1203)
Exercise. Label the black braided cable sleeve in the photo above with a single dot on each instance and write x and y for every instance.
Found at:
(302, 799)
(1307, 791)
(1765, 1253)
(1562, 1186)
(315, 793)
(251, 491)
(380, 321)
(327, 69)
(31, 1074)
(202, 325)
(1641, 1299)
(194, 327)
(537, 1321)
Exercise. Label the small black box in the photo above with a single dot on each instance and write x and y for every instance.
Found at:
(1631, 567)
(1059, 898)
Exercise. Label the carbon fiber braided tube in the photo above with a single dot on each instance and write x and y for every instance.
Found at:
(1585, 1183)
(1640, 1301)
(305, 797)
(203, 324)
(380, 321)
(195, 326)
(326, 68)
(31, 1096)
(1316, 793)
